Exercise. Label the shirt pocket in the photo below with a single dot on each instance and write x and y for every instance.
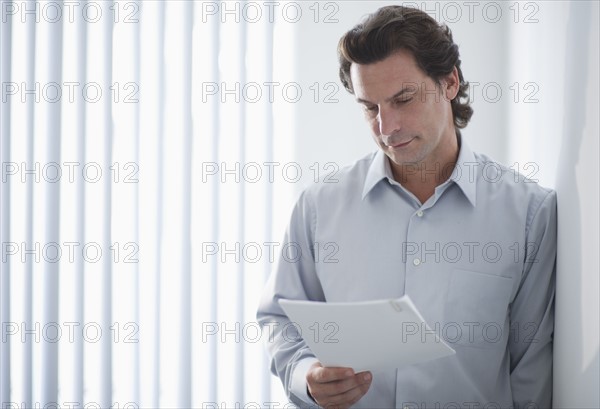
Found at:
(476, 309)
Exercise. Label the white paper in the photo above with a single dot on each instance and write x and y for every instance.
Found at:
(369, 335)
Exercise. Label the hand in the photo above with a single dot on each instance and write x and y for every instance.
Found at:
(337, 387)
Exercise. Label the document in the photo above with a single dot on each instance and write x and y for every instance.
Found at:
(367, 335)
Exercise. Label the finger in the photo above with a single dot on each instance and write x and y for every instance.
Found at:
(324, 375)
(334, 388)
(349, 397)
(329, 390)
(365, 376)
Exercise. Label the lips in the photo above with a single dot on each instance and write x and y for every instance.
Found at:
(401, 144)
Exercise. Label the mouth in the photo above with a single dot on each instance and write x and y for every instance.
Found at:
(401, 145)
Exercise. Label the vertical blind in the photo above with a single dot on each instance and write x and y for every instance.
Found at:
(128, 273)
(137, 144)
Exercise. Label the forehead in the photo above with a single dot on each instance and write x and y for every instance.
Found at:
(373, 82)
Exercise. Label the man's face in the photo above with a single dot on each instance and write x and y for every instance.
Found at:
(410, 117)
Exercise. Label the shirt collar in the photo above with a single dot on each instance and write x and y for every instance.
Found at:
(463, 174)
(378, 170)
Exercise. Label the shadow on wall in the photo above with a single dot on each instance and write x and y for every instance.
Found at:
(576, 357)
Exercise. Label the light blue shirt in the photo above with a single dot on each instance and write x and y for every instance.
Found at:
(477, 259)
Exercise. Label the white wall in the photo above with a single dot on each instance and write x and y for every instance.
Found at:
(550, 51)
(576, 369)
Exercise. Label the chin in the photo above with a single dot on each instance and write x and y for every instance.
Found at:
(406, 160)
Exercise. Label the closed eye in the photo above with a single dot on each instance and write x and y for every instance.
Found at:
(371, 110)
(402, 101)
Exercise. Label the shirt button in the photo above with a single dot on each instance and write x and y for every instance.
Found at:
(420, 213)
(416, 262)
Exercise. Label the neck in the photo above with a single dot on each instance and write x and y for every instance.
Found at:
(421, 178)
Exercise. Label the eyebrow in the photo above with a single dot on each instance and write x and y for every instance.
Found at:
(396, 95)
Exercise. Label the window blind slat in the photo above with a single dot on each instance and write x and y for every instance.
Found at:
(5, 76)
(27, 374)
(106, 315)
(266, 374)
(50, 293)
(240, 296)
(80, 216)
(185, 344)
(213, 365)
(160, 63)
(136, 204)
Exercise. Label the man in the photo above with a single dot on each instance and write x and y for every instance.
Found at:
(471, 242)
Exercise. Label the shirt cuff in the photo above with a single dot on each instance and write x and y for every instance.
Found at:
(298, 382)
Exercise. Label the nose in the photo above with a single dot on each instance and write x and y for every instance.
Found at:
(389, 122)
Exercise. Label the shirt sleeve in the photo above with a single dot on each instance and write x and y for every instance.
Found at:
(532, 313)
(294, 278)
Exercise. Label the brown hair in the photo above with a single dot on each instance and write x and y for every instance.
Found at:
(393, 28)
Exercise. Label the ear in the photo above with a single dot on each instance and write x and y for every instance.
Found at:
(451, 84)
